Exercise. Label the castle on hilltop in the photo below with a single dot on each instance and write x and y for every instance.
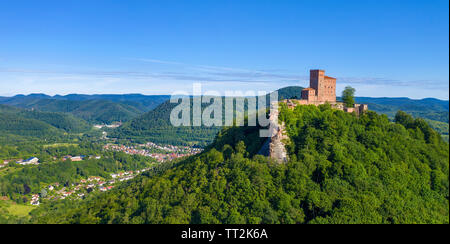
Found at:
(321, 90)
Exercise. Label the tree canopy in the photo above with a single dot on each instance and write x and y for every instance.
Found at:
(342, 169)
(348, 96)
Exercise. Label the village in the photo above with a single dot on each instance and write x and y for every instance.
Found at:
(111, 126)
(158, 152)
(81, 188)
(35, 160)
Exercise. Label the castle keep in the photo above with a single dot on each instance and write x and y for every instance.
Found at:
(321, 90)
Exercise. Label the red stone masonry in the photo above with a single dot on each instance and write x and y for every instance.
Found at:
(324, 86)
(322, 89)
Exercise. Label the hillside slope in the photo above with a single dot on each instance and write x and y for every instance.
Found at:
(342, 169)
(155, 125)
(144, 103)
(94, 111)
(13, 123)
(66, 122)
(428, 108)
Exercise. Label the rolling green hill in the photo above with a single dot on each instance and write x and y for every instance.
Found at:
(436, 112)
(155, 125)
(342, 169)
(290, 92)
(66, 122)
(94, 111)
(428, 108)
(144, 103)
(17, 123)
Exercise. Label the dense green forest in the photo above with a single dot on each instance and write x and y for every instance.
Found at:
(93, 111)
(342, 169)
(16, 124)
(144, 103)
(26, 127)
(390, 106)
(146, 124)
(435, 111)
(66, 122)
(155, 125)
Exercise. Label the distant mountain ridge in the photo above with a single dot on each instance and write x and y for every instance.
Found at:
(142, 102)
(146, 103)
(93, 108)
(403, 103)
(155, 125)
(149, 114)
(94, 111)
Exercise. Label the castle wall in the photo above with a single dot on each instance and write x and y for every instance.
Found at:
(329, 89)
(309, 94)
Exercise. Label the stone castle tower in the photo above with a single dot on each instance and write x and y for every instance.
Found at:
(321, 89)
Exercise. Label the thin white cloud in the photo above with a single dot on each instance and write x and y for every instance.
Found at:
(15, 80)
(426, 84)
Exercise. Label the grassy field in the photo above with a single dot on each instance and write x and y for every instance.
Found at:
(18, 210)
(61, 145)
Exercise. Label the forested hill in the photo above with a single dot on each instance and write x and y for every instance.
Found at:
(406, 104)
(429, 108)
(14, 124)
(155, 125)
(146, 124)
(16, 121)
(435, 111)
(342, 169)
(144, 103)
(94, 111)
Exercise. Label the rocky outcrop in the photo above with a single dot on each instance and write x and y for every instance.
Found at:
(277, 149)
(274, 146)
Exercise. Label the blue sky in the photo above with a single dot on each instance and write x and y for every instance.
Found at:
(382, 48)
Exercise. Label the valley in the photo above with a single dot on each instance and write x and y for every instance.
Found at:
(83, 159)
